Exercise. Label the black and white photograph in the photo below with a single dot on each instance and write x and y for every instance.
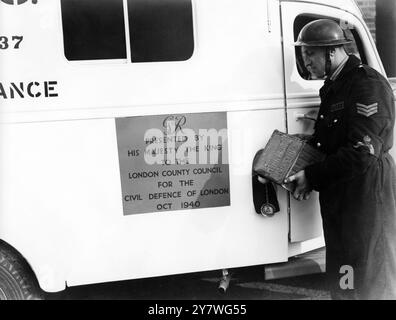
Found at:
(197, 155)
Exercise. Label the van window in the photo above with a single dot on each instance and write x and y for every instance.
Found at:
(93, 29)
(355, 47)
(160, 30)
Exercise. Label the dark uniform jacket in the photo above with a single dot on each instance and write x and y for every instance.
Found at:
(357, 181)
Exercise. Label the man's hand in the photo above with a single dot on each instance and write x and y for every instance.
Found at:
(303, 189)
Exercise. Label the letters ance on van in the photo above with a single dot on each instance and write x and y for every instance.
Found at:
(173, 162)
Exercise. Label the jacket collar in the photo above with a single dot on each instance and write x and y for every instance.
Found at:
(352, 63)
(337, 72)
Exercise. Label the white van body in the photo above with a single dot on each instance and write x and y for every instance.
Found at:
(61, 197)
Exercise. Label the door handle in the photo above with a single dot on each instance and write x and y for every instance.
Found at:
(303, 116)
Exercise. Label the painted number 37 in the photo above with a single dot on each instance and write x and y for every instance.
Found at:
(14, 42)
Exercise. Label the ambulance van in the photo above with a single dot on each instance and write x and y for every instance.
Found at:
(128, 132)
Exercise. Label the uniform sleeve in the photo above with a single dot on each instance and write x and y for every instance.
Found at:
(368, 119)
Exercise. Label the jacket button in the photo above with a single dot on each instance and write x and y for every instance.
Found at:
(335, 120)
(318, 144)
(321, 116)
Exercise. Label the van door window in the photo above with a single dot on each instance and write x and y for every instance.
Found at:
(160, 30)
(93, 29)
(355, 47)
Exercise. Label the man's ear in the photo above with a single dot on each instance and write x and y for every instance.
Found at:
(332, 52)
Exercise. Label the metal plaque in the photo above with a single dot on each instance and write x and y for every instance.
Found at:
(173, 162)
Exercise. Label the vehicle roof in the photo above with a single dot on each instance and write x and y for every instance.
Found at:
(349, 5)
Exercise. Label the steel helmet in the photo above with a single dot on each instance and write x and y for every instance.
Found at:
(321, 33)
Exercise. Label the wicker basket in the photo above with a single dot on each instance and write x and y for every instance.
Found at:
(283, 156)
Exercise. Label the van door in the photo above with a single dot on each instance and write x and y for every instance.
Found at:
(302, 95)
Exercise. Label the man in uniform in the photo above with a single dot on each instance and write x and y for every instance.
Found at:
(356, 181)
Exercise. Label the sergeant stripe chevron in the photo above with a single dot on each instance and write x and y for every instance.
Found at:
(367, 110)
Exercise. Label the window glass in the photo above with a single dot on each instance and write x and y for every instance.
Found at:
(355, 47)
(160, 30)
(93, 29)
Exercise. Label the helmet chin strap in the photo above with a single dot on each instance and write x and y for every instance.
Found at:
(328, 62)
